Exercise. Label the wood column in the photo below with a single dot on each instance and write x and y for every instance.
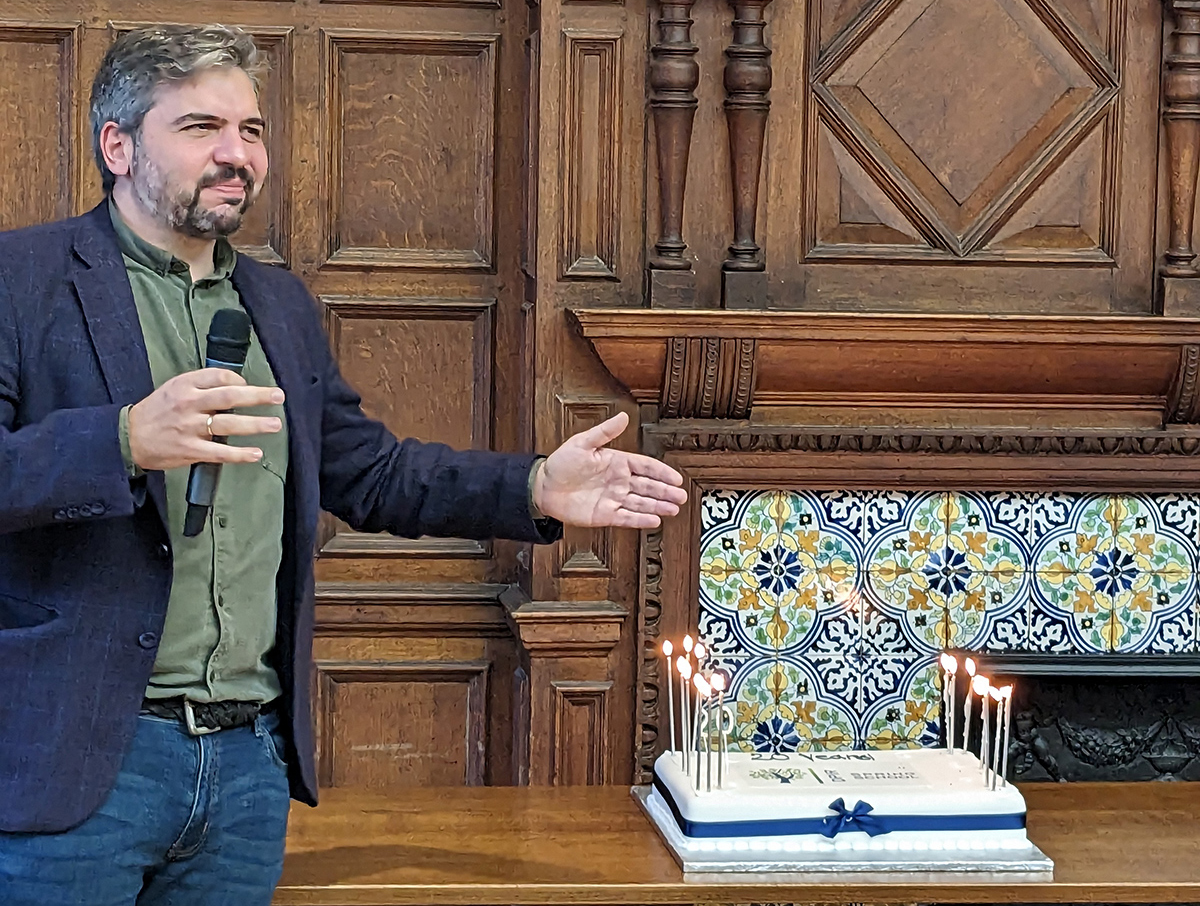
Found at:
(747, 86)
(1181, 123)
(571, 684)
(674, 77)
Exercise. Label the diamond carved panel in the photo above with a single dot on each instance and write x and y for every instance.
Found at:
(958, 112)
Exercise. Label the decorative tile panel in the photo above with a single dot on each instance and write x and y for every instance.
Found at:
(828, 608)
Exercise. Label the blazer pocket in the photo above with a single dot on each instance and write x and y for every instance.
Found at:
(17, 613)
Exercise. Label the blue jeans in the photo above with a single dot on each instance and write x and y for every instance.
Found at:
(191, 821)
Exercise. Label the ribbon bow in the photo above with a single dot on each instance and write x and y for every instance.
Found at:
(858, 818)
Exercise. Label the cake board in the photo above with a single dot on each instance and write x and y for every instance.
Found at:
(1025, 865)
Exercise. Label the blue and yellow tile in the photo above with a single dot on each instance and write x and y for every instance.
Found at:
(904, 708)
(781, 706)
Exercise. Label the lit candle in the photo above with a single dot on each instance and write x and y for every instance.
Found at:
(980, 686)
(667, 648)
(699, 682)
(1007, 691)
(949, 681)
(703, 693)
(685, 676)
(998, 698)
(718, 683)
(970, 667)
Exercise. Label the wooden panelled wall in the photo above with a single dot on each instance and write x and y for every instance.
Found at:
(502, 204)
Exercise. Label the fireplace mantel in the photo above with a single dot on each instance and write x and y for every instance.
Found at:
(1102, 371)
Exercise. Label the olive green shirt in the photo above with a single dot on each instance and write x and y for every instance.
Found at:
(220, 625)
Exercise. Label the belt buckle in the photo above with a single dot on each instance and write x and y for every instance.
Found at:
(189, 718)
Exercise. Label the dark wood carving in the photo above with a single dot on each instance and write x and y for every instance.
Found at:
(1094, 371)
(1185, 402)
(717, 438)
(1181, 123)
(708, 377)
(747, 85)
(674, 76)
(650, 665)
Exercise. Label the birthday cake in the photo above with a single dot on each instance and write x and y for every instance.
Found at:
(922, 806)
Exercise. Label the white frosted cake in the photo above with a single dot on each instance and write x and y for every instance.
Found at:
(916, 805)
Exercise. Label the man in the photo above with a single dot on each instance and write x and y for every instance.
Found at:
(155, 710)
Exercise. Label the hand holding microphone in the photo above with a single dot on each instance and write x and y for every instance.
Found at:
(171, 428)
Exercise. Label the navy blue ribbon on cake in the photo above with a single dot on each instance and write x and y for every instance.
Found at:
(858, 818)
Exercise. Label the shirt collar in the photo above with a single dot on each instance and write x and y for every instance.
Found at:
(163, 262)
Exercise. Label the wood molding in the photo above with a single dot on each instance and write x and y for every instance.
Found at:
(1115, 371)
(649, 665)
(708, 378)
(565, 628)
(711, 437)
(362, 609)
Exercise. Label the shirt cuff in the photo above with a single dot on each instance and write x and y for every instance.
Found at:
(123, 430)
(534, 513)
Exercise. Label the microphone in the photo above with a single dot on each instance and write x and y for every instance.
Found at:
(227, 344)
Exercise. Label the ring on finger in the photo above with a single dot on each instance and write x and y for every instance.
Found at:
(208, 424)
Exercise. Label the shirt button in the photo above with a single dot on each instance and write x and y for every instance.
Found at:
(222, 521)
(148, 639)
(164, 551)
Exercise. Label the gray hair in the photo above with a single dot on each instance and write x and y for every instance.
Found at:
(142, 60)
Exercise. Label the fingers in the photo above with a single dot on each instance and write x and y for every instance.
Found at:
(228, 425)
(605, 432)
(652, 468)
(219, 399)
(207, 378)
(636, 503)
(627, 519)
(210, 451)
(649, 487)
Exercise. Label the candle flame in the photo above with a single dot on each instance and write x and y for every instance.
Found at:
(699, 651)
(1006, 691)
(995, 693)
(970, 666)
(702, 685)
(949, 664)
(684, 668)
(980, 686)
(718, 681)
(668, 648)
(687, 643)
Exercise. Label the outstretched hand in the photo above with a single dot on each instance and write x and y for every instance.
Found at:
(585, 483)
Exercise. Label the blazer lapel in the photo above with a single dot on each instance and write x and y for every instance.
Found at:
(278, 346)
(112, 319)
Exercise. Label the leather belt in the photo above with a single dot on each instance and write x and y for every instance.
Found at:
(202, 718)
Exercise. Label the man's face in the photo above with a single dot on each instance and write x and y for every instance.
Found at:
(199, 160)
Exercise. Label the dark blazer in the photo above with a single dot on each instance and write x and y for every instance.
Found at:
(85, 560)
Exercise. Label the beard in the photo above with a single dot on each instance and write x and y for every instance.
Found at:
(180, 208)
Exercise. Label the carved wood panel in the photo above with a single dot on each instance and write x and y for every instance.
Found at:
(591, 154)
(580, 733)
(424, 369)
(39, 106)
(395, 724)
(408, 185)
(1003, 158)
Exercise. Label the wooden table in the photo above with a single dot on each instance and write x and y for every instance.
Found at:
(1135, 842)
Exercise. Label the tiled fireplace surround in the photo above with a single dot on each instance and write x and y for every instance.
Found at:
(828, 608)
